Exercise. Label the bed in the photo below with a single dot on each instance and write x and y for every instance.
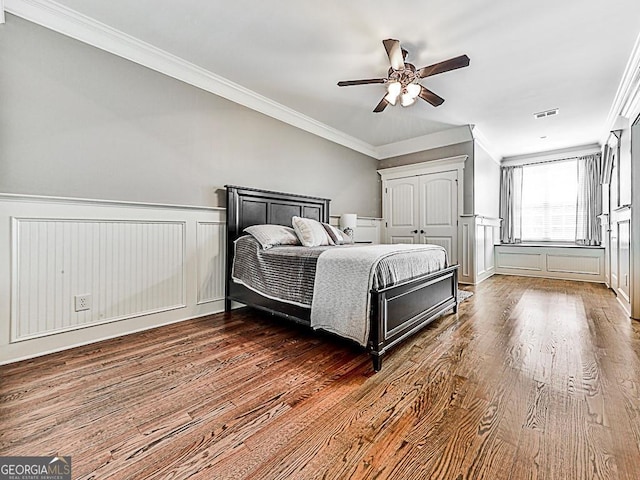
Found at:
(396, 312)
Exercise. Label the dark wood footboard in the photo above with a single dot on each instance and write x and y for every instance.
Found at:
(399, 311)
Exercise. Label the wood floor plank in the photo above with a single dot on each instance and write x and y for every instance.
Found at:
(532, 379)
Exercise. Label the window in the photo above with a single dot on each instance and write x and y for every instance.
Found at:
(549, 192)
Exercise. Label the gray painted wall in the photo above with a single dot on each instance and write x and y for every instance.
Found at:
(464, 148)
(486, 184)
(79, 122)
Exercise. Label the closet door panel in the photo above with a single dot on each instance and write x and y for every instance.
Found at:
(402, 215)
(439, 210)
(442, 241)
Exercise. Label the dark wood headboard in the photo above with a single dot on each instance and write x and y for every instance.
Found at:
(251, 206)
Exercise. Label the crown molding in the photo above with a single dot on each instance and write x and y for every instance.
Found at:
(68, 22)
(483, 143)
(626, 103)
(426, 142)
(71, 23)
(551, 155)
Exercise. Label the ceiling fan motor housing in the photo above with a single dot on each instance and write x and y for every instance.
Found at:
(405, 76)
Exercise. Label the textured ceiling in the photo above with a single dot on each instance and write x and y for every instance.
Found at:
(525, 57)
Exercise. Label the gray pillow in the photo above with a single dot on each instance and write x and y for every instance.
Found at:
(271, 235)
(336, 235)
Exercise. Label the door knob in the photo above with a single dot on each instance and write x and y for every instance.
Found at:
(414, 231)
(421, 231)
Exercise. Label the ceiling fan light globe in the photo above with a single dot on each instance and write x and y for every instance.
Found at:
(394, 88)
(392, 99)
(407, 100)
(413, 90)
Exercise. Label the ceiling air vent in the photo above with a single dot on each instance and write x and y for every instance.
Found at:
(547, 113)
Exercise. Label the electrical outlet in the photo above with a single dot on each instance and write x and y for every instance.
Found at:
(82, 302)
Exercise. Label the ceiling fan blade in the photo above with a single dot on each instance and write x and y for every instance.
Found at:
(394, 52)
(441, 67)
(348, 83)
(428, 96)
(381, 106)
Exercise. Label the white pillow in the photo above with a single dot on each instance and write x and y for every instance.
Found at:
(271, 235)
(310, 232)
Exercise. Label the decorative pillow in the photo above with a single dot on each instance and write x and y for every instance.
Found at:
(271, 235)
(310, 232)
(337, 235)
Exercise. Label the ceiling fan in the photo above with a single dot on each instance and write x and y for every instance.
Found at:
(403, 78)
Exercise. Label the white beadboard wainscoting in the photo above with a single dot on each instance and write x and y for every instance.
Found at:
(137, 265)
(478, 235)
(564, 262)
(128, 268)
(620, 255)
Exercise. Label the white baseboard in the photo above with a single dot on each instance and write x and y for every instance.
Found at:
(95, 339)
(550, 278)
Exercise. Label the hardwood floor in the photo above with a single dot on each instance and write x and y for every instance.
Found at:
(532, 379)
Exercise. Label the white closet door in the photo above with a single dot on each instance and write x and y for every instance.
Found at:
(402, 215)
(438, 223)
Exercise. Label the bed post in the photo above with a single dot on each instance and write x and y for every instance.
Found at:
(455, 290)
(376, 334)
(232, 231)
(377, 362)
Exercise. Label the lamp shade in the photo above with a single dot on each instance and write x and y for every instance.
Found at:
(348, 220)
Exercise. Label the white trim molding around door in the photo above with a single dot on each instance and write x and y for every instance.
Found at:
(433, 166)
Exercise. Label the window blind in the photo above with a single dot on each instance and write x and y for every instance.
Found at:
(549, 193)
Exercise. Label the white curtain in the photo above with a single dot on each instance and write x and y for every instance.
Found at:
(511, 204)
(589, 204)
